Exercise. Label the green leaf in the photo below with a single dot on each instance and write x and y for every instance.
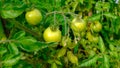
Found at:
(11, 60)
(19, 35)
(3, 50)
(12, 9)
(74, 6)
(43, 45)
(54, 65)
(94, 17)
(106, 6)
(13, 48)
(31, 45)
(112, 47)
(28, 44)
(22, 64)
(116, 25)
(61, 52)
(99, 6)
(72, 58)
(114, 54)
(81, 1)
(58, 62)
(106, 61)
(76, 48)
(89, 62)
(11, 13)
(91, 53)
(50, 61)
(110, 15)
(101, 44)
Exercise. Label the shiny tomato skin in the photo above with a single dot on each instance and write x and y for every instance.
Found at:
(33, 17)
(52, 36)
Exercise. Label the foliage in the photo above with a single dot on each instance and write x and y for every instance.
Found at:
(23, 45)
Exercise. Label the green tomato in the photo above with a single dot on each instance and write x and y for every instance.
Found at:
(33, 17)
(78, 25)
(96, 26)
(52, 36)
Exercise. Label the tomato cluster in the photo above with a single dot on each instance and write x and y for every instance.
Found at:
(78, 26)
(81, 28)
(33, 17)
(59, 33)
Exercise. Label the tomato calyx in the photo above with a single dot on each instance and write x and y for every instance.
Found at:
(54, 28)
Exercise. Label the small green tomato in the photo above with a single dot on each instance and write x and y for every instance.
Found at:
(33, 17)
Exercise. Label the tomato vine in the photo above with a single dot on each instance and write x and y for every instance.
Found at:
(59, 33)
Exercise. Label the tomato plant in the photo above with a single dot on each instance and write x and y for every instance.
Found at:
(59, 33)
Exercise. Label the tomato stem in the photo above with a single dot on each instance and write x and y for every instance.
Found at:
(54, 18)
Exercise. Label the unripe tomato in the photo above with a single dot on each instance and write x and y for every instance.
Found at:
(96, 26)
(52, 36)
(78, 25)
(33, 17)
